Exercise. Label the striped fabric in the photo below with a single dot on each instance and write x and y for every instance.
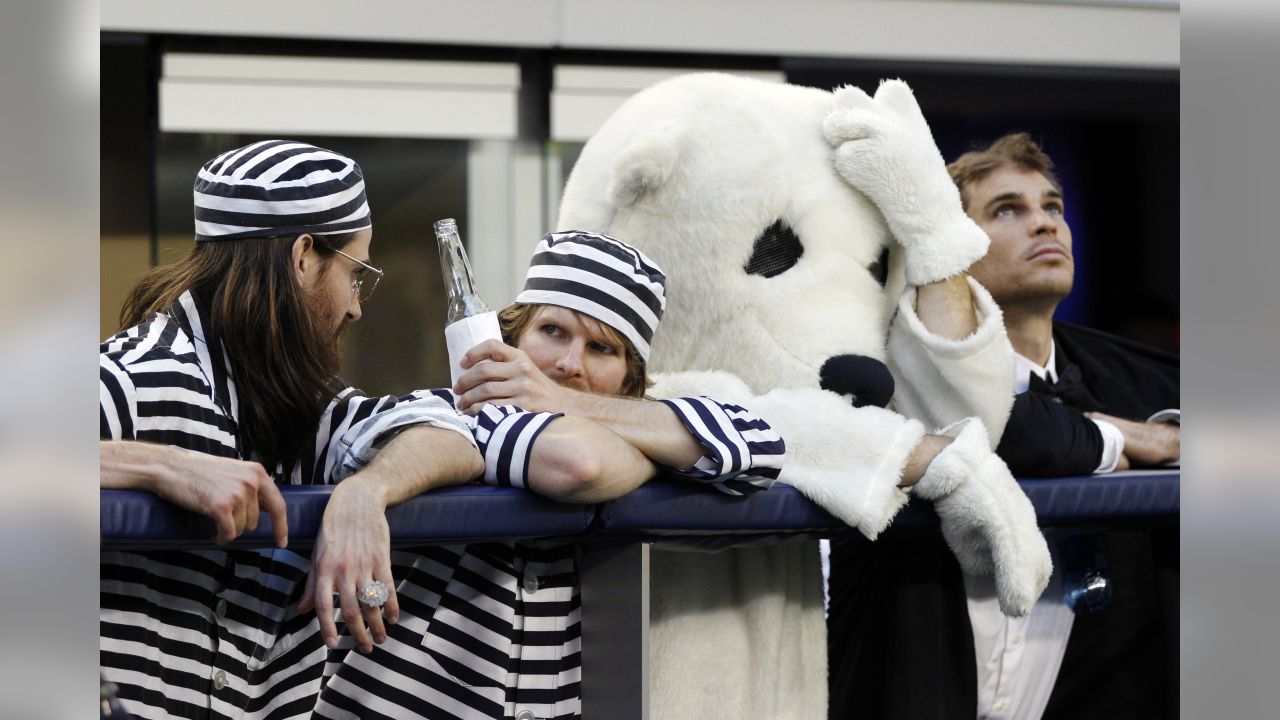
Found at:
(743, 453)
(279, 187)
(492, 630)
(217, 633)
(487, 630)
(600, 277)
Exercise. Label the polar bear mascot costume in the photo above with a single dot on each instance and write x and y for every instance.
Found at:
(771, 207)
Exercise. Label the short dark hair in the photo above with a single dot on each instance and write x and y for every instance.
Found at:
(1017, 149)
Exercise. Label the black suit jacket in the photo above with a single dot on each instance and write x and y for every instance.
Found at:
(1047, 438)
(900, 643)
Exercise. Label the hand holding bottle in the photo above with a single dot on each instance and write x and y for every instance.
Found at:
(494, 372)
(469, 321)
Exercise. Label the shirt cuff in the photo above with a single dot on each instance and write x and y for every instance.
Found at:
(356, 447)
(505, 435)
(1112, 445)
(744, 454)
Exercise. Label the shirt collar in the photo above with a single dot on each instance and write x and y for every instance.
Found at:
(193, 318)
(1023, 368)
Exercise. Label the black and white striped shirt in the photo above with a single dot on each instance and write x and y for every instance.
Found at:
(486, 630)
(217, 633)
(492, 630)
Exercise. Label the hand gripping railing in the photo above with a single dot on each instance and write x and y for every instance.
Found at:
(615, 538)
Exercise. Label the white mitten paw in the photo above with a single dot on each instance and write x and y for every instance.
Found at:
(884, 148)
(1024, 566)
(987, 520)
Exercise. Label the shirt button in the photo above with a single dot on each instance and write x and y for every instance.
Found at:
(219, 680)
(526, 715)
(220, 609)
(530, 585)
(1002, 705)
(1017, 639)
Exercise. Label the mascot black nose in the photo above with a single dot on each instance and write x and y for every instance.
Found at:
(866, 379)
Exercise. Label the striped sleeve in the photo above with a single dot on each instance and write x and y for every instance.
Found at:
(505, 435)
(355, 426)
(743, 453)
(117, 401)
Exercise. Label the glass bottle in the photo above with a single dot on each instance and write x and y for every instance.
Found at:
(469, 321)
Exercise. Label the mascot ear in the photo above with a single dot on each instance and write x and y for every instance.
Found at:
(644, 165)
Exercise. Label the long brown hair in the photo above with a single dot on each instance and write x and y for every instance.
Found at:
(514, 320)
(284, 364)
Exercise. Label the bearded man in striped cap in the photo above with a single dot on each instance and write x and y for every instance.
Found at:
(222, 385)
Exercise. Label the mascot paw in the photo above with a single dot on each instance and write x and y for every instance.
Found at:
(884, 148)
(986, 519)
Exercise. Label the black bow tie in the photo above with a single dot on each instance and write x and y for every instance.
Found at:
(1069, 388)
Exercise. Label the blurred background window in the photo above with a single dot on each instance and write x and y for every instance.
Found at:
(479, 111)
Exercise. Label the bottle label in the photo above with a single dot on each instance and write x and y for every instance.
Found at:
(467, 333)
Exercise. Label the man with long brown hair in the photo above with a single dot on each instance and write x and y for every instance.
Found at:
(224, 384)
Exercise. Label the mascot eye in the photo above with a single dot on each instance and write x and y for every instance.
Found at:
(880, 268)
(776, 251)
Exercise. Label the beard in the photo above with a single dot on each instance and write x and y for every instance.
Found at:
(326, 338)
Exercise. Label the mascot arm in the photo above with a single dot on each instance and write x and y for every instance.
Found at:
(986, 519)
(940, 381)
(847, 460)
(884, 148)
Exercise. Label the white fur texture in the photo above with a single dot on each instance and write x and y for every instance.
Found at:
(855, 481)
(885, 149)
(940, 380)
(711, 653)
(987, 520)
(691, 171)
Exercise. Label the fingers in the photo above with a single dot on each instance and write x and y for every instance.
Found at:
(250, 507)
(308, 595)
(498, 393)
(483, 373)
(352, 615)
(272, 501)
(226, 526)
(372, 616)
(391, 610)
(322, 599)
(487, 350)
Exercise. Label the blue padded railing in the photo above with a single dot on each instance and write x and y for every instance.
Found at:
(470, 513)
(662, 509)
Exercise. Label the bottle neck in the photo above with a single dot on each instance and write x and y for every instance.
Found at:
(459, 284)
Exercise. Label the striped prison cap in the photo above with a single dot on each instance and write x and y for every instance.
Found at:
(600, 277)
(279, 187)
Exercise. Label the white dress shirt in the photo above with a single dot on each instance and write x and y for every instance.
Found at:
(1018, 658)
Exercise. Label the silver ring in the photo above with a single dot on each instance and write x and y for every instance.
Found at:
(374, 594)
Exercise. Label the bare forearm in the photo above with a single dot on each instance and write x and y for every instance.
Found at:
(578, 460)
(129, 464)
(648, 426)
(946, 308)
(230, 491)
(918, 462)
(416, 460)
(1147, 443)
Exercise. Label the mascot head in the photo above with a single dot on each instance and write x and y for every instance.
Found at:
(775, 262)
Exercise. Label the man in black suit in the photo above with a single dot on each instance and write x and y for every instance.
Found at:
(1009, 189)
(1086, 403)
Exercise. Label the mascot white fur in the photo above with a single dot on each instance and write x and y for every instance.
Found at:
(770, 207)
